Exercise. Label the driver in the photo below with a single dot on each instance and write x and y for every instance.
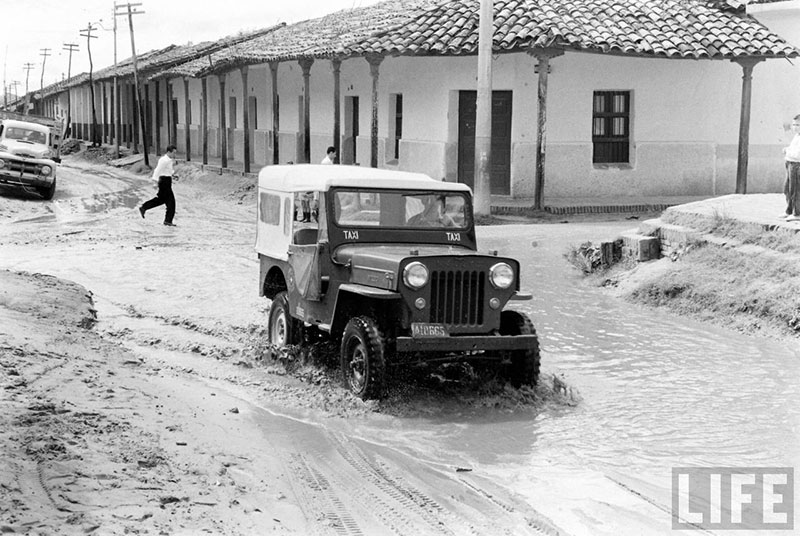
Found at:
(433, 215)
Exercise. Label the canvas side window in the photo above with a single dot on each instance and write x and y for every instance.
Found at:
(288, 215)
(611, 117)
(269, 209)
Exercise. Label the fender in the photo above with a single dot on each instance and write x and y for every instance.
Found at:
(346, 290)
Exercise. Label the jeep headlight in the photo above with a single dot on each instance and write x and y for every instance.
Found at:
(45, 170)
(415, 275)
(2, 164)
(501, 275)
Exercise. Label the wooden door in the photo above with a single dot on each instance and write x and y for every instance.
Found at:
(500, 169)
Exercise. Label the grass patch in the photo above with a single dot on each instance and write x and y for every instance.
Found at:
(751, 293)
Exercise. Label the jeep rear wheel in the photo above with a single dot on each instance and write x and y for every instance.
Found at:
(283, 329)
(362, 355)
(524, 366)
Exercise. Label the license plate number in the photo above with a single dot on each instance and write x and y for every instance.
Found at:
(423, 330)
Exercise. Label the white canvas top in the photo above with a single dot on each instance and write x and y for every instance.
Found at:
(320, 178)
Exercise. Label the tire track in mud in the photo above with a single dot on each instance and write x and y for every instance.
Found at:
(334, 510)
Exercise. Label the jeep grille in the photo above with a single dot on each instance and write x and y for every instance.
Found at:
(457, 297)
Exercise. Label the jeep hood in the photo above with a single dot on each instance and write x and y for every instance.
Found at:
(378, 266)
(26, 149)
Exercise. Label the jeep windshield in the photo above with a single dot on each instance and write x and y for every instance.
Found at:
(406, 209)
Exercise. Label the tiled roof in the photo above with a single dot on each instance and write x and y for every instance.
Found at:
(155, 61)
(321, 37)
(694, 29)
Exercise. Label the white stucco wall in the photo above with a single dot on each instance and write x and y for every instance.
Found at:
(684, 120)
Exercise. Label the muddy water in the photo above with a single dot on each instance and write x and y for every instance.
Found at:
(658, 391)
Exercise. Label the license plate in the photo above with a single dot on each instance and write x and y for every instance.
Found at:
(424, 330)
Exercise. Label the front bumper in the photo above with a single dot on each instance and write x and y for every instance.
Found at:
(466, 343)
(31, 181)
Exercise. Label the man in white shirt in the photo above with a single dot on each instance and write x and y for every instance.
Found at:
(330, 156)
(791, 188)
(163, 175)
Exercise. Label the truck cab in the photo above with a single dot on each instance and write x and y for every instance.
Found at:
(28, 156)
(386, 264)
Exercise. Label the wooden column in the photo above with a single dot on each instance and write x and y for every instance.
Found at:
(187, 138)
(223, 127)
(172, 121)
(544, 56)
(336, 64)
(204, 117)
(273, 69)
(374, 63)
(157, 130)
(305, 64)
(135, 115)
(744, 122)
(246, 119)
(104, 111)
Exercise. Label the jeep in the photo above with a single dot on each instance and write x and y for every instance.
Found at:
(28, 156)
(385, 264)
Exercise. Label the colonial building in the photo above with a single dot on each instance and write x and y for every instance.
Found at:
(601, 99)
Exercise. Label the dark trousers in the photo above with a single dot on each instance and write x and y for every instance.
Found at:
(791, 188)
(163, 197)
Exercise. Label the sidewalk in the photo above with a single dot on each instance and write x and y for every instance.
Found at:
(760, 209)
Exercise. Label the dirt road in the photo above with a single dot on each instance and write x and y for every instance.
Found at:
(137, 396)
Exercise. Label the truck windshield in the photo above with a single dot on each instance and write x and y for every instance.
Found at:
(23, 134)
(398, 208)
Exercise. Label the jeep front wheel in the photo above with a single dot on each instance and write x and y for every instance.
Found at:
(362, 355)
(283, 329)
(524, 366)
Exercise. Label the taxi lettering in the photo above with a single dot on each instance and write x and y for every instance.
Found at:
(351, 235)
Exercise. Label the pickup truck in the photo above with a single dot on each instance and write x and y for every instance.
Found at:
(29, 153)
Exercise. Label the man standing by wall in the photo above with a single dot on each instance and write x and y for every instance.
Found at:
(163, 174)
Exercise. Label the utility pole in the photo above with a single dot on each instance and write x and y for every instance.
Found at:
(116, 104)
(130, 12)
(44, 54)
(483, 111)
(28, 67)
(5, 91)
(87, 33)
(14, 83)
(71, 47)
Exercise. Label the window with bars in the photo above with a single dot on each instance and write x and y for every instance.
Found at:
(611, 117)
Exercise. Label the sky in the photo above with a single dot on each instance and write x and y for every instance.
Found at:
(27, 27)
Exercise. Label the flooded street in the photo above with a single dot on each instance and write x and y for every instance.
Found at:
(657, 391)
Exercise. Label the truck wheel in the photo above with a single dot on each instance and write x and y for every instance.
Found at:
(524, 367)
(362, 354)
(49, 192)
(283, 329)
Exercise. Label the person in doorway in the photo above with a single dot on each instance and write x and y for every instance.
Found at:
(791, 188)
(330, 156)
(163, 175)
